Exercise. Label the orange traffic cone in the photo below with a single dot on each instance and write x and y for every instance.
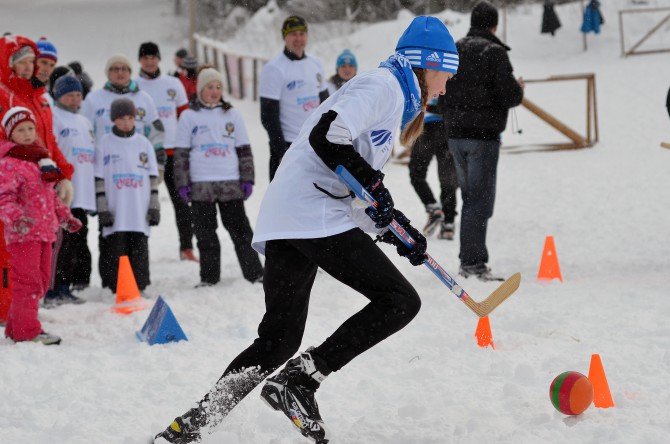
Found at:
(549, 268)
(483, 333)
(602, 398)
(128, 299)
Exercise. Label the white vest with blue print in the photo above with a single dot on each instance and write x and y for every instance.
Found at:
(212, 136)
(74, 135)
(296, 84)
(371, 106)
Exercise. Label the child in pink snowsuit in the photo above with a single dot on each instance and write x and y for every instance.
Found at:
(31, 213)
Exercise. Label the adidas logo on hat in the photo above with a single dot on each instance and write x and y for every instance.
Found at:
(433, 59)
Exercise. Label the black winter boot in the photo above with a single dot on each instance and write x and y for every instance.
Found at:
(292, 391)
(184, 429)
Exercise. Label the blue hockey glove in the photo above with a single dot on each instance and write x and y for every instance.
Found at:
(417, 254)
(383, 214)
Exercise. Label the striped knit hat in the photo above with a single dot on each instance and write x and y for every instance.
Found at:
(46, 49)
(15, 116)
(427, 43)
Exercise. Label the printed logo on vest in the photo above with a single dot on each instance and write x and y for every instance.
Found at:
(127, 181)
(215, 150)
(83, 155)
(380, 137)
(144, 161)
(67, 132)
(294, 84)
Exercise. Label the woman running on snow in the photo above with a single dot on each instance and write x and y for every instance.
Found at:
(307, 221)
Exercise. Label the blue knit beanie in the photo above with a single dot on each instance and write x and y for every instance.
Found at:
(346, 58)
(66, 84)
(427, 43)
(46, 49)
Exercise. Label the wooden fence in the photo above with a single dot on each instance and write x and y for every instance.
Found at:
(241, 73)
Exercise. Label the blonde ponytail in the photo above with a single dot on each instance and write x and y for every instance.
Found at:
(414, 128)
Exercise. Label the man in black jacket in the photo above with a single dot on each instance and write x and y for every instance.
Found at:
(477, 102)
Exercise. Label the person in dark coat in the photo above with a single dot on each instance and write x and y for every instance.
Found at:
(477, 103)
(84, 78)
(550, 21)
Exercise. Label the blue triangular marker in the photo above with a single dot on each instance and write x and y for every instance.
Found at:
(161, 327)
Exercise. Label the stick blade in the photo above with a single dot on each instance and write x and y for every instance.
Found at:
(499, 295)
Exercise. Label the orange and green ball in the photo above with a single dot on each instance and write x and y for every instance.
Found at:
(571, 393)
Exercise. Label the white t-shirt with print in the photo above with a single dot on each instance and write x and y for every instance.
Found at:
(126, 164)
(96, 108)
(370, 106)
(296, 84)
(168, 94)
(74, 136)
(212, 136)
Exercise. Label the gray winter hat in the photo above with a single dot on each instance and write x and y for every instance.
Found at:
(122, 107)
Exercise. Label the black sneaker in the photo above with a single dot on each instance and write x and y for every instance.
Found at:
(446, 232)
(480, 271)
(435, 217)
(184, 429)
(79, 286)
(291, 391)
(205, 284)
(62, 296)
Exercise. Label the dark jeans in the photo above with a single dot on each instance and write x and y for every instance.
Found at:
(433, 143)
(275, 160)
(476, 166)
(182, 210)
(290, 269)
(235, 221)
(73, 265)
(135, 245)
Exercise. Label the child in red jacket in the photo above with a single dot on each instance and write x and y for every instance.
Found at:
(31, 213)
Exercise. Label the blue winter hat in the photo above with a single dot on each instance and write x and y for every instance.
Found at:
(427, 43)
(46, 49)
(66, 84)
(346, 58)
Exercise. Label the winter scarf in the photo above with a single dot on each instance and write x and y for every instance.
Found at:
(337, 81)
(39, 155)
(402, 70)
(146, 75)
(130, 88)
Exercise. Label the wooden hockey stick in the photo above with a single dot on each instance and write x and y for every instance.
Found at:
(665, 145)
(481, 309)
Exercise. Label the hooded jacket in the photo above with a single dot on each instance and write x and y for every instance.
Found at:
(24, 193)
(16, 91)
(478, 98)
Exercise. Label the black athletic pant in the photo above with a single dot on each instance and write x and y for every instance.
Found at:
(182, 211)
(352, 258)
(74, 258)
(275, 160)
(133, 244)
(235, 220)
(433, 142)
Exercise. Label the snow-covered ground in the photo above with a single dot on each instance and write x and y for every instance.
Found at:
(607, 208)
